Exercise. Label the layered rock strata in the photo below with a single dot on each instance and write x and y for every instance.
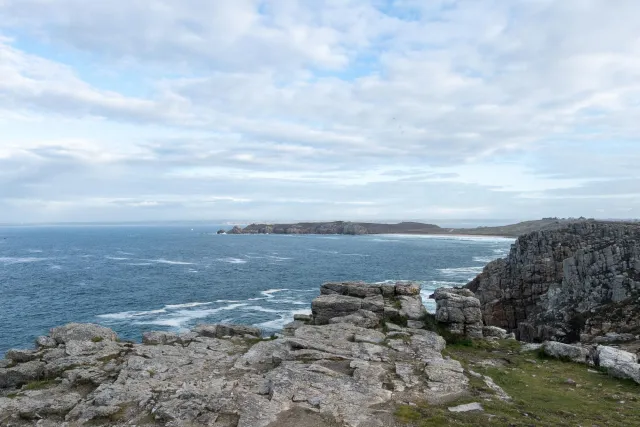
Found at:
(579, 282)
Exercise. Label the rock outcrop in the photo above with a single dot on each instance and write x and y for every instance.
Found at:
(328, 370)
(459, 310)
(577, 283)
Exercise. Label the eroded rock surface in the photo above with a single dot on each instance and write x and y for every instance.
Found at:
(459, 310)
(576, 283)
(324, 371)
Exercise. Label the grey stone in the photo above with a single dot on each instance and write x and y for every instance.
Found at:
(21, 356)
(608, 357)
(566, 351)
(46, 342)
(160, 338)
(20, 374)
(467, 407)
(82, 332)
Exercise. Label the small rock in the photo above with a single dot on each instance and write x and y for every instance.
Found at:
(46, 342)
(415, 324)
(467, 407)
(569, 381)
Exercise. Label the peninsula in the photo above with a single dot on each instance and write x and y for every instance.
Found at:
(359, 228)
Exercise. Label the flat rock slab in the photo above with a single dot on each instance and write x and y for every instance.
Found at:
(467, 408)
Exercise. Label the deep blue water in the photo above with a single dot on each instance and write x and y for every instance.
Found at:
(140, 278)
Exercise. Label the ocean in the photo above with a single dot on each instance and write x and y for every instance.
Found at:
(171, 277)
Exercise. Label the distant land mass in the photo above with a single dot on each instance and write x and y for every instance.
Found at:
(359, 228)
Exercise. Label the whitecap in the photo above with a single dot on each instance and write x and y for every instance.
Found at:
(138, 263)
(55, 267)
(485, 239)
(362, 255)
(123, 315)
(460, 271)
(178, 319)
(269, 292)
(185, 305)
(226, 300)
(115, 258)
(278, 324)
(231, 260)
(262, 309)
(34, 251)
(166, 261)
(125, 253)
(484, 259)
(21, 260)
(278, 258)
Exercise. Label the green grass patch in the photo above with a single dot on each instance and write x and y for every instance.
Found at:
(39, 385)
(12, 395)
(541, 394)
(97, 339)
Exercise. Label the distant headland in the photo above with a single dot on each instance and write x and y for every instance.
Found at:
(360, 228)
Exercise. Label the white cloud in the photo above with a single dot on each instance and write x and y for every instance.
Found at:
(399, 106)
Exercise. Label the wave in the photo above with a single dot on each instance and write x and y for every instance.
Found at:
(260, 308)
(125, 253)
(179, 319)
(484, 259)
(484, 239)
(269, 292)
(278, 258)
(34, 251)
(278, 324)
(115, 258)
(362, 255)
(231, 260)
(123, 315)
(186, 305)
(55, 267)
(21, 260)
(460, 270)
(166, 261)
(138, 263)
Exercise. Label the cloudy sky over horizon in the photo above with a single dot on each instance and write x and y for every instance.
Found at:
(133, 110)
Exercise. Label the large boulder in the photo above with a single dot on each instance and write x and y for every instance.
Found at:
(608, 357)
(574, 353)
(82, 332)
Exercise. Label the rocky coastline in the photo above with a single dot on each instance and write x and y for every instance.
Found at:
(365, 354)
(360, 228)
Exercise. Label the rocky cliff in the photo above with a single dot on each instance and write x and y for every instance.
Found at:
(346, 365)
(578, 282)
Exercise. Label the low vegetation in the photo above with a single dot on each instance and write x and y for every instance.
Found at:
(545, 392)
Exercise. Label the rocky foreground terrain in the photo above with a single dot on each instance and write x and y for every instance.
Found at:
(347, 364)
(578, 283)
(369, 355)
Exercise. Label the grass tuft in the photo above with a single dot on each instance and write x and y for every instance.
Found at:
(97, 339)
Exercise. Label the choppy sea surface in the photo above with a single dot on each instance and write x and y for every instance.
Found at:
(140, 278)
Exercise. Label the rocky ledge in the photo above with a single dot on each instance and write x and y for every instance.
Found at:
(578, 283)
(361, 353)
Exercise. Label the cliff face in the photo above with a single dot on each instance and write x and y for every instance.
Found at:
(560, 284)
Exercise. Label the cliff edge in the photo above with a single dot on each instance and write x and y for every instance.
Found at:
(578, 283)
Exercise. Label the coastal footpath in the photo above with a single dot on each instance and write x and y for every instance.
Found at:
(578, 283)
(360, 228)
(369, 355)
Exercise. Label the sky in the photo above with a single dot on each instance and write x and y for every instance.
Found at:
(152, 110)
